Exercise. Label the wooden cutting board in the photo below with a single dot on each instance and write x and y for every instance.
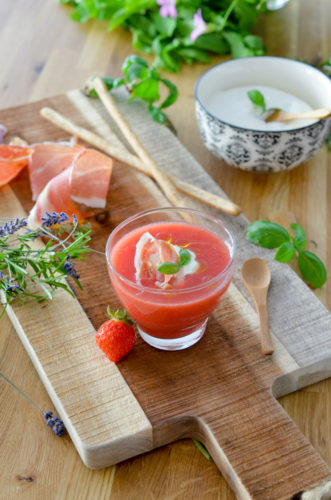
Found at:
(221, 391)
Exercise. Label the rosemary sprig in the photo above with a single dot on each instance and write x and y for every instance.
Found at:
(21, 264)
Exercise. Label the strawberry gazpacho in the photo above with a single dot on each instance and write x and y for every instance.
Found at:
(169, 267)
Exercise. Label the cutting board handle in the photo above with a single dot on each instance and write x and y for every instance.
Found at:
(262, 455)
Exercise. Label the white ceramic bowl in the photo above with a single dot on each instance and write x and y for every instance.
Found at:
(261, 150)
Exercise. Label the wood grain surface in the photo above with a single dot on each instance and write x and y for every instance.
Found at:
(36, 463)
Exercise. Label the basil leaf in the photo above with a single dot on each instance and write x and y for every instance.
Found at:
(257, 99)
(312, 269)
(184, 257)
(267, 234)
(237, 44)
(136, 71)
(191, 54)
(164, 25)
(172, 96)
(133, 59)
(157, 114)
(299, 239)
(146, 89)
(285, 252)
(254, 42)
(212, 42)
(168, 268)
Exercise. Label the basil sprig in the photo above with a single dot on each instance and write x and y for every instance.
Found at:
(257, 98)
(143, 83)
(270, 235)
(174, 267)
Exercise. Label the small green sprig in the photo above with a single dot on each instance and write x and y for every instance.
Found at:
(174, 267)
(325, 66)
(21, 264)
(143, 82)
(271, 235)
(257, 98)
(202, 449)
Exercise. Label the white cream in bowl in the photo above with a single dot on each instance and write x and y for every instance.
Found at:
(233, 131)
(233, 106)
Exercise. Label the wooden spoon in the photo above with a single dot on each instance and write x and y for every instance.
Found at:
(282, 116)
(256, 276)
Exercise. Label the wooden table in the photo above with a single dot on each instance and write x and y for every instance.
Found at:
(43, 53)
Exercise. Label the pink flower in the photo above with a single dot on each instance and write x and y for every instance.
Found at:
(168, 8)
(199, 26)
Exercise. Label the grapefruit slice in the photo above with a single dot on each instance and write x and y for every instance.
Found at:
(12, 160)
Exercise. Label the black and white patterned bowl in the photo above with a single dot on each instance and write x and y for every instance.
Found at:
(255, 150)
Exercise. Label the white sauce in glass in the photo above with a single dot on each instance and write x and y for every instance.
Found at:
(233, 106)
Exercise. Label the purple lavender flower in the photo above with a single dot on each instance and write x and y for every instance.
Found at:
(3, 132)
(168, 8)
(13, 288)
(51, 219)
(199, 26)
(12, 226)
(69, 268)
(54, 423)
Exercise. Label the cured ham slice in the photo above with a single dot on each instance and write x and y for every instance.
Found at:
(48, 160)
(12, 160)
(90, 182)
(86, 182)
(151, 253)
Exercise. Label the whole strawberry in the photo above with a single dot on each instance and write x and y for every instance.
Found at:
(116, 337)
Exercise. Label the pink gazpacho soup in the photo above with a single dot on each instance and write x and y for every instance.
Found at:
(170, 306)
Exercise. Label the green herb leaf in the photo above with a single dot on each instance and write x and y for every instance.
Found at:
(172, 267)
(143, 83)
(168, 268)
(228, 26)
(184, 257)
(312, 269)
(267, 234)
(202, 449)
(22, 265)
(299, 239)
(271, 235)
(286, 252)
(257, 99)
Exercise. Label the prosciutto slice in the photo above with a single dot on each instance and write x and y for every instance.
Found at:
(48, 160)
(85, 181)
(12, 160)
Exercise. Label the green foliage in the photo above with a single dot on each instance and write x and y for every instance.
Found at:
(21, 265)
(257, 99)
(174, 267)
(270, 235)
(228, 26)
(325, 66)
(202, 449)
(143, 83)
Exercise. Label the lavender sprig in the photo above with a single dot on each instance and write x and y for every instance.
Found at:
(54, 423)
(50, 220)
(21, 265)
(12, 226)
